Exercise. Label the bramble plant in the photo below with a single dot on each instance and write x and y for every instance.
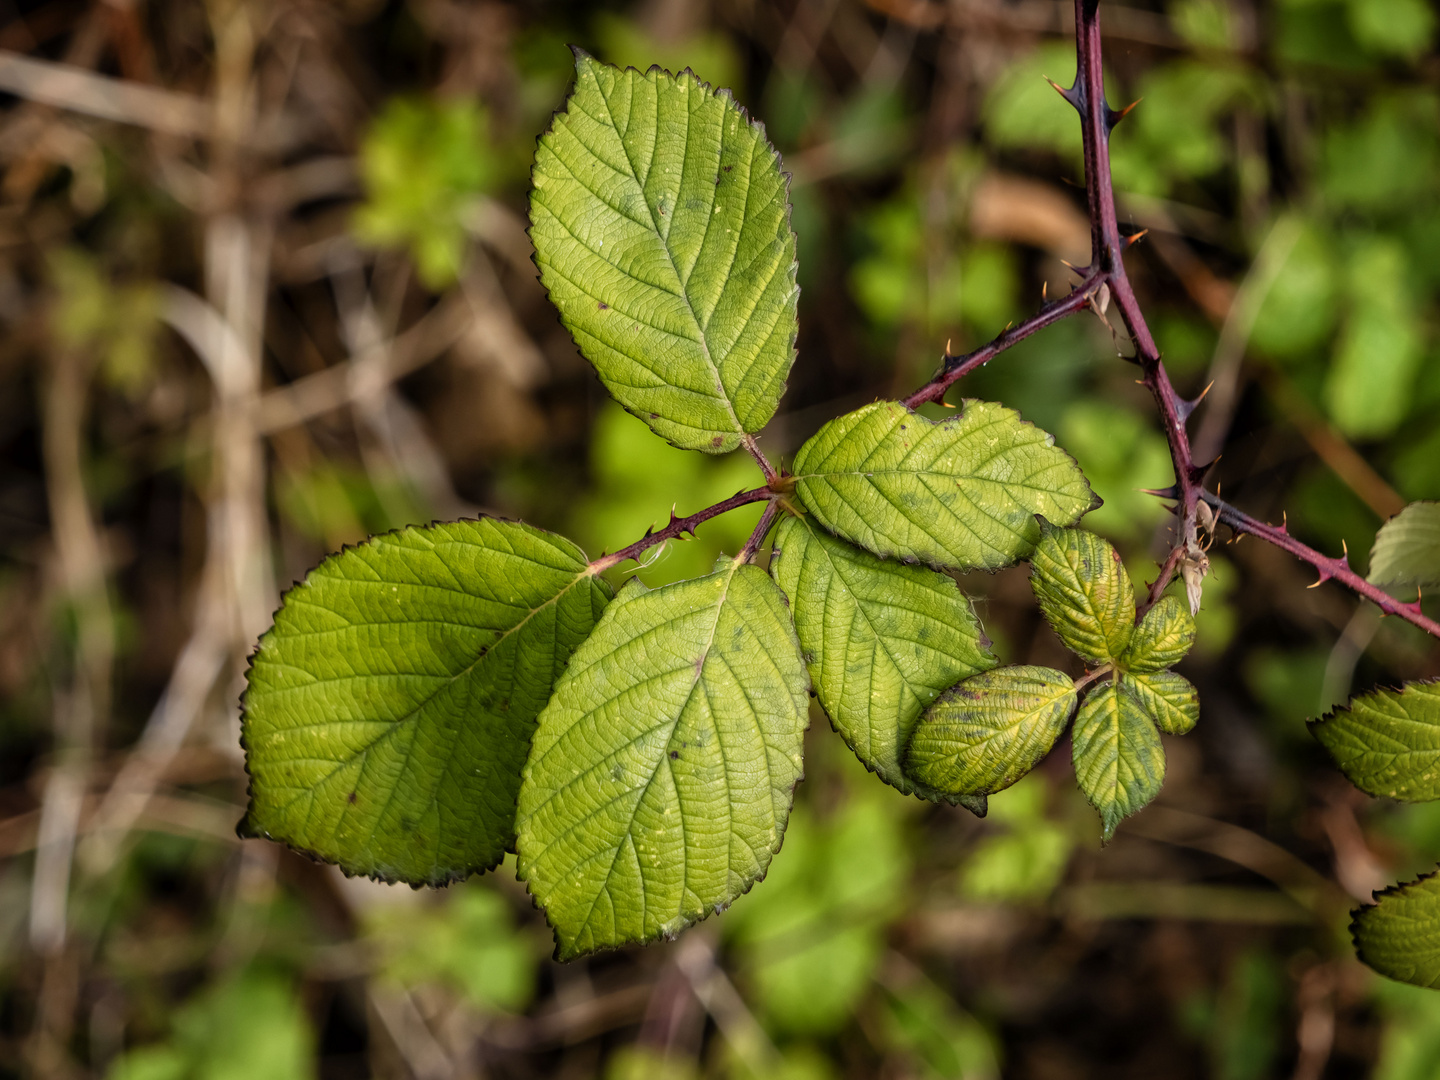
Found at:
(441, 695)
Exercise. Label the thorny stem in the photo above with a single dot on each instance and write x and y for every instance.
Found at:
(757, 537)
(1097, 120)
(1328, 568)
(1090, 676)
(678, 526)
(954, 368)
(753, 448)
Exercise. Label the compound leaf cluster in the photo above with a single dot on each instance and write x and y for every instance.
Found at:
(988, 731)
(439, 696)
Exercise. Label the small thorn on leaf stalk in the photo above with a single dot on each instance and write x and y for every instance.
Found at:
(1134, 238)
(1171, 492)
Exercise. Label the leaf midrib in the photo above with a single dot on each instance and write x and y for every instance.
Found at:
(684, 293)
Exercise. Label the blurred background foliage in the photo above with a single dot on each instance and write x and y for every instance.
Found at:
(265, 289)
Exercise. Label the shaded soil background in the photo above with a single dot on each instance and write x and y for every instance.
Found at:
(265, 289)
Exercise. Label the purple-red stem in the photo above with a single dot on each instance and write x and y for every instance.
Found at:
(954, 368)
(679, 526)
(1097, 120)
(1328, 568)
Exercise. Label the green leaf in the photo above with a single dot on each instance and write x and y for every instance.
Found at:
(661, 224)
(1407, 548)
(1400, 935)
(1168, 699)
(963, 492)
(390, 709)
(1388, 741)
(882, 639)
(1162, 639)
(1119, 761)
(1084, 591)
(662, 770)
(987, 732)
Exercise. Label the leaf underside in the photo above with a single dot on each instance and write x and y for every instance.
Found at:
(1084, 592)
(1170, 701)
(390, 709)
(1119, 761)
(661, 773)
(1407, 548)
(987, 732)
(661, 223)
(882, 640)
(1388, 741)
(959, 493)
(1400, 935)
(1162, 639)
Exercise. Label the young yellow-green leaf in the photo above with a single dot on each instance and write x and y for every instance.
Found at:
(1168, 699)
(1400, 935)
(882, 640)
(1162, 639)
(661, 773)
(661, 223)
(1407, 548)
(1119, 761)
(962, 492)
(390, 709)
(1388, 741)
(987, 732)
(1084, 591)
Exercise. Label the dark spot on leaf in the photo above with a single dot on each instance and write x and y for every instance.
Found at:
(729, 167)
(717, 440)
(674, 754)
(352, 796)
(602, 306)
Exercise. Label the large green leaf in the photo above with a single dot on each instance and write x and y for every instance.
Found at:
(1119, 761)
(882, 640)
(1168, 699)
(1400, 935)
(987, 732)
(390, 709)
(1162, 639)
(662, 770)
(1388, 741)
(661, 224)
(962, 492)
(1084, 591)
(1407, 548)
